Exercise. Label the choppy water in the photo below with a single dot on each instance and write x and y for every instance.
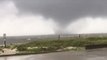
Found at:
(98, 54)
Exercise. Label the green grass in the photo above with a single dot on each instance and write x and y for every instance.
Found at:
(54, 45)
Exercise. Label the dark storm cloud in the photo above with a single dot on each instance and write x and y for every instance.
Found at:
(2, 0)
(63, 11)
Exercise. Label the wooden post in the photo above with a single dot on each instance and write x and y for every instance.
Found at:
(79, 36)
(59, 37)
(4, 40)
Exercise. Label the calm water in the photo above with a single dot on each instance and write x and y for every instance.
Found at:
(98, 54)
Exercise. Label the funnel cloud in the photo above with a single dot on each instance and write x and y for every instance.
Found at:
(39, 17)
(63, 11)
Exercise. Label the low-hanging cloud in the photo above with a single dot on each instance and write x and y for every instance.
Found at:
(13, 24)
(63, 11)
(88, 25)
(82, 20)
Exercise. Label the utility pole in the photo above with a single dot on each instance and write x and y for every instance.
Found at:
(4, 40)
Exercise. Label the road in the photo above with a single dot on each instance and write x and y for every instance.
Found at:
(97, 54)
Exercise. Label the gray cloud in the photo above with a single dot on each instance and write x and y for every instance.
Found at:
(3, 1)
(63, 11)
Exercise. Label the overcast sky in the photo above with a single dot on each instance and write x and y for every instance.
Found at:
(41, 17)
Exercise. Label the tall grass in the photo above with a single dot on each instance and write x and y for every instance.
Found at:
(53, 45)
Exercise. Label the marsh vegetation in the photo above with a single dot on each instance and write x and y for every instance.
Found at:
(75, 44)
